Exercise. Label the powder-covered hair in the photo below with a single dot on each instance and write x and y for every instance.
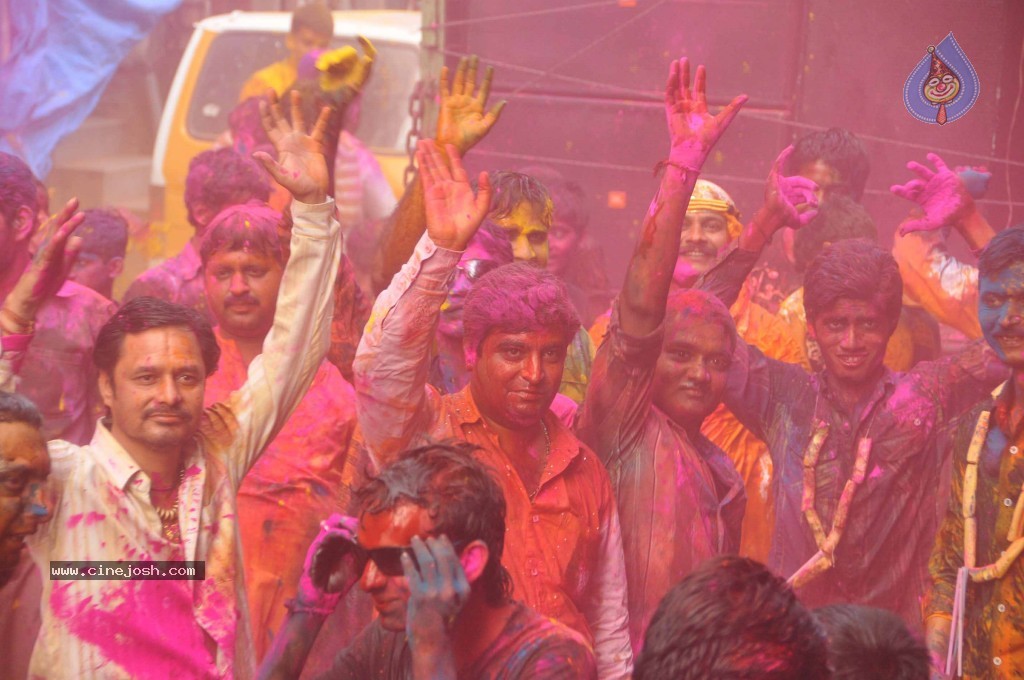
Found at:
(17, 187)
(516, 298)
(732, 618)
(687, 305)
(858, 270)
(221, 177)
(252, 227)
(567, 196)
(104, 233)
(839, 217)
(1002, 252)
(459, 493)
(839, 148)
(17, 408)
(146, 313)
(866, 642)
(509, 189)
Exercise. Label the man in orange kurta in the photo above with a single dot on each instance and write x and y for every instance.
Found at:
(298, 480)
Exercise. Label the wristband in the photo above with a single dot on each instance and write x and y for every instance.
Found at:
(295, 606)
(660, 165)
(22, 325)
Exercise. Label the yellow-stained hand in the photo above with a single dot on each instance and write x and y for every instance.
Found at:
(462, 120)
(344, 67)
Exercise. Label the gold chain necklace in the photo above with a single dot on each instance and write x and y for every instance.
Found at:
(169, 516)
(824, 559)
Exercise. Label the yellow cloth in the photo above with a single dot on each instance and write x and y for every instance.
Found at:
(278, 77)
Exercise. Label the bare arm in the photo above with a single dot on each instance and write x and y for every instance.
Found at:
(462, 122)
(692, 132)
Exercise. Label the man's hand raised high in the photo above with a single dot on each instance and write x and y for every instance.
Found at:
(300, 168)
(693, 131)
(462, 121)
(454, 213)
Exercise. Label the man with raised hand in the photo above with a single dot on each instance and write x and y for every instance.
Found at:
(158, 481)
(563, 546)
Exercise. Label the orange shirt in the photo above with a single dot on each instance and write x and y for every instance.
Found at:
(296, 483)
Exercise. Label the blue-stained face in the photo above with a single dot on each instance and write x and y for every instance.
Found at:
(1001, 313)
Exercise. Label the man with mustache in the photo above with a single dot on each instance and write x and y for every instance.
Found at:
(977, 577)
(299, 478)
(563, 547)
(158, 480)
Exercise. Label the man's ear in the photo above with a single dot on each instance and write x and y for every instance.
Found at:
(115, 266)
(474, 560)
(24, 224)
(106, 385)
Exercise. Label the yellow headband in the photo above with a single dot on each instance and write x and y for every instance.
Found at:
(709, 196)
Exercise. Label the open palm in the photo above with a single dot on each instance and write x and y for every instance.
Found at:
(693, 130)
(462, 121)
(454, 212)
(300, 166)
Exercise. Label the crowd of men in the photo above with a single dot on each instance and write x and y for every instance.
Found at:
(726, 467)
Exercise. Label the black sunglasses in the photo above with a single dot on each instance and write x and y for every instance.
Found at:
(389, 559)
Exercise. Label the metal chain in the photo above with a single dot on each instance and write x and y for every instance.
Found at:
(416, 103)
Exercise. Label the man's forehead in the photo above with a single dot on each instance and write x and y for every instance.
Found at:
(22, 447)
(537, 337)
(524, 217)
(395, 526)
(852, 307)
(1009, 279)
(174, 343)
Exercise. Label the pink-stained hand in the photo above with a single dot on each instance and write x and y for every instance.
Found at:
(51, 265)
(789, 201)
(300, 168)
(454, 212)
(941, 193)
(693, 131)
(333, 564)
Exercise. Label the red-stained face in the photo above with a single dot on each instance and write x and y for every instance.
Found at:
(24, 467)
(241, 288)
(826, 177)
(705, 235)
(517, 375)
(393, 528)
(853, 335)
(692, 370)
(155, 394)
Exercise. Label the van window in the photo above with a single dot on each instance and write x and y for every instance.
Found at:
(235, 55)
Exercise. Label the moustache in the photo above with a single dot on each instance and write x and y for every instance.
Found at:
(241, 300)
(158, 411)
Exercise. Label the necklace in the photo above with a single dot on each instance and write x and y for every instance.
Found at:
(824, 559)
(169, 516)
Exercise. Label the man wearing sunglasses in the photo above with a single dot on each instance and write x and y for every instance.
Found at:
(427, 548)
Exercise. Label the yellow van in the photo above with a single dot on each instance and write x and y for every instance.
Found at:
(223, 52)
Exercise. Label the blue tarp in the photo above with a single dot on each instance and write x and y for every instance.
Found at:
(62, 55)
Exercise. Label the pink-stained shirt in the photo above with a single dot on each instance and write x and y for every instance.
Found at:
(178, 279)
(58, 374)
(102, 509)
(295, 484)
(563, 548)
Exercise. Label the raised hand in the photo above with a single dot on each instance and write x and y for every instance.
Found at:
(48, 270)
(344, 67)
(438, 588)
(454, 213)
(334, 562)
(461, 120)
(300, 167)
(942, 195)
(789, 201)
(692, 129)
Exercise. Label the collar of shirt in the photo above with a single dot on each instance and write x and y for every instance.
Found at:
(565, 447)
(884, 387)
(118, 464)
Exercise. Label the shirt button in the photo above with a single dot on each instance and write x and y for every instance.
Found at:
(536, 518)
(917, 422)
(997, 661)
(1014, 449)
(533, 572)
(1008, 502)
(1001, 608)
